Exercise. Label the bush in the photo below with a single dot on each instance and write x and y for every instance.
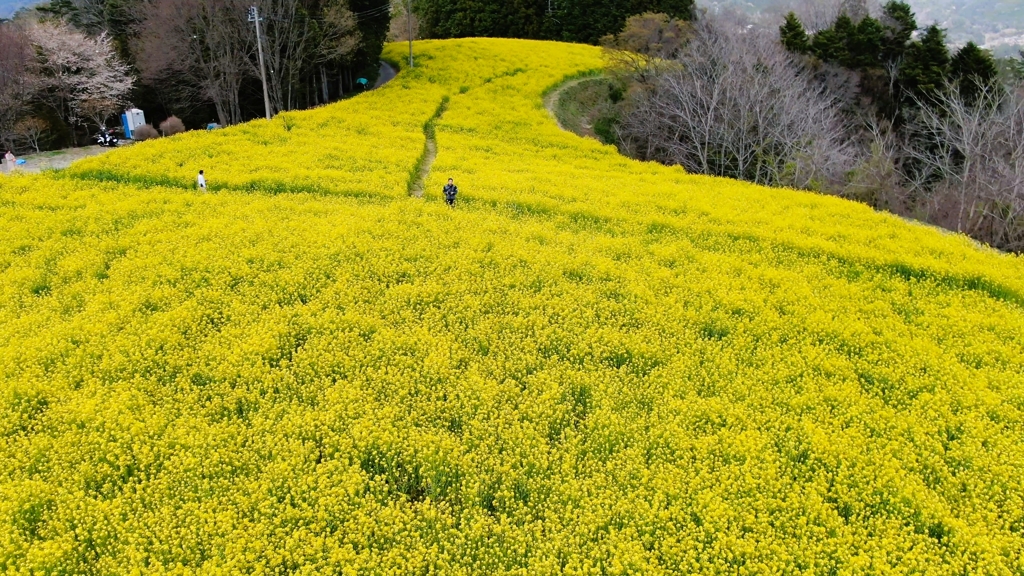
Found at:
(145, 132)
(172, 126)
(616, 92)
(604, 127)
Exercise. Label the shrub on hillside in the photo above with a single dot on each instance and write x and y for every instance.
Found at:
(172, 126)
(145, 132)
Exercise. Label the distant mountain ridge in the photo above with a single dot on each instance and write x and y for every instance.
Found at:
(991, 23)
(994, 24)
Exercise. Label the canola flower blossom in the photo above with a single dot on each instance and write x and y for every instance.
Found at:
(592, 366)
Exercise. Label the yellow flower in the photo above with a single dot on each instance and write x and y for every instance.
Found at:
(590, 366)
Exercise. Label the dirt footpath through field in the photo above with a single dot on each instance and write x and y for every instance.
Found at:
(55, 160)
(551, 100)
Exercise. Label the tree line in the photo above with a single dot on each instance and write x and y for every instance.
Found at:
(870, 106)
(894, 69)
(69, 66)
(584, 21)
(197, 59)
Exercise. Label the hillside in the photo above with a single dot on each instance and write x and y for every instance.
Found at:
(589, 366)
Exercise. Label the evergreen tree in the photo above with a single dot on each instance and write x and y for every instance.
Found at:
(926, 67)
(974, 71)
(829, 45)
(845, 29)
(794, 37)
(900, 23)
(58, 9)
(373, 29)
(865, 47)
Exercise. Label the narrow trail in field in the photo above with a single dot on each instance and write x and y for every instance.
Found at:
(429, 155)
(551, 100)
(418, 180)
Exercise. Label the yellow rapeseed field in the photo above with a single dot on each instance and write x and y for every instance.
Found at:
(591, 366)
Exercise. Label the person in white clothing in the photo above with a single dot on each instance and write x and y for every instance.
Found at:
(9, 161)
(202, 182)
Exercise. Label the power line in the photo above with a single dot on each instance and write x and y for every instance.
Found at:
(385, 9)
(373, 12)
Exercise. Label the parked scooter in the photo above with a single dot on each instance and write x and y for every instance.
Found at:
(107, 139)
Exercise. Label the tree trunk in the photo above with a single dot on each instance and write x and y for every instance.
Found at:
(222, 116)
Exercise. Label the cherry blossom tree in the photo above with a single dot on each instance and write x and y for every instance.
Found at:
(80, 77)
(204, 48)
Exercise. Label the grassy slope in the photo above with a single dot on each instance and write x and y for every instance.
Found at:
(580, 106)
(593, 365)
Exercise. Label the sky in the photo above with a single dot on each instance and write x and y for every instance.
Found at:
(8, 7)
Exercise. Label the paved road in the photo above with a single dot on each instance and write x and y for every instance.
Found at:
(387, 74)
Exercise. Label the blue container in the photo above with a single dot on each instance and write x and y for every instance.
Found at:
(127, 127)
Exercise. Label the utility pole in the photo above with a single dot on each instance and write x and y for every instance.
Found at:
(408, 17)
(254, 16)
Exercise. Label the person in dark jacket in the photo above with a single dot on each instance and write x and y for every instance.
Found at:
(450, 191)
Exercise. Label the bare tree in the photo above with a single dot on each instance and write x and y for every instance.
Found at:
(79, 77)
(646, 45)
(400, 22)
(818, 14)
(877, 179)
(31, 131)
(338, 40)
(287, 31)
(855, 9)
(17, 83)
(206, 43)
(739, 106)
(295, 41)
(340, 36)
(967, 164)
